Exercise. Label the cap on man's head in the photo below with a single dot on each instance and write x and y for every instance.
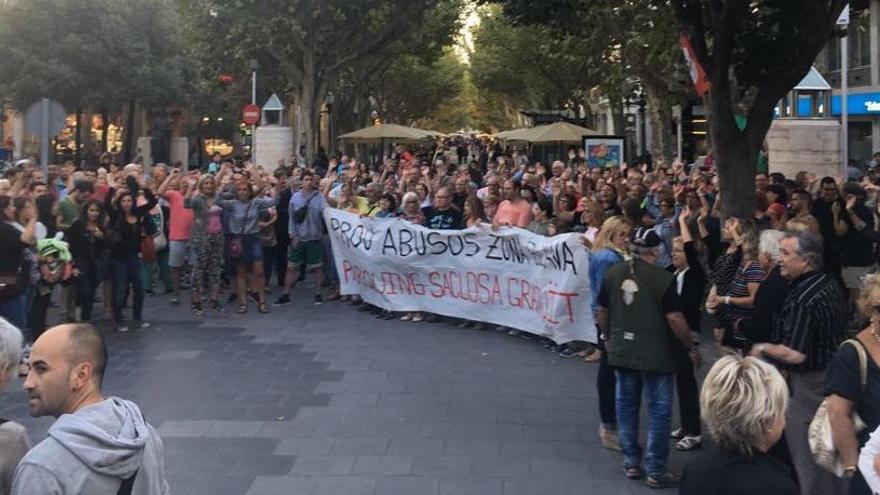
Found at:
(645, 238)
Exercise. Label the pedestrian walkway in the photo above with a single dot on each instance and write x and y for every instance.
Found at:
(328, 400)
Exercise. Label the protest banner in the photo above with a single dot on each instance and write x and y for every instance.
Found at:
(508, 277)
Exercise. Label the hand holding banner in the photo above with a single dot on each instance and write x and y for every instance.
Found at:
(509, 277)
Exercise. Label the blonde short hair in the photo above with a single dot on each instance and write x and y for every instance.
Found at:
(10, 347)
(742, 398)
(869, 293)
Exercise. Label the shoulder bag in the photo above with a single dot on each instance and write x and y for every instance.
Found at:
(819, 433)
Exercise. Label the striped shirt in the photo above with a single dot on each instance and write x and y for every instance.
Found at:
(812, 320)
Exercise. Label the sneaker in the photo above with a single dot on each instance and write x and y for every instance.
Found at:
(677, 433)
(150, 292)
(689, 442)
(417, 318)
(284, 300)
(141, 325)
(318, 300)
(406, 317)
(609, 439)
(215, 305)
(662, 481)
(122, 329)
(196, 308)
(174, 301)
(514, 333)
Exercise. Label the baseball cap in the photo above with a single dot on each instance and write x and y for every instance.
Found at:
(645, 238)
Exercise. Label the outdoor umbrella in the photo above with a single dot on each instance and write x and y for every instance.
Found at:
(558, 132)
(381, 132)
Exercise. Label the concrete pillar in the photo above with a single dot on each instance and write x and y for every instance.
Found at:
(274, 143)
(180, 151)
(875, 39)
(144, 151)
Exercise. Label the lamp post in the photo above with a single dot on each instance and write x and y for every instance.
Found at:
(253, 66)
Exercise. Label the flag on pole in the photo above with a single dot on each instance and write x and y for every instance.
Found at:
(698, 74)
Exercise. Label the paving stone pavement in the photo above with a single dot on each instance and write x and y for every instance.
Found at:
(318, 400)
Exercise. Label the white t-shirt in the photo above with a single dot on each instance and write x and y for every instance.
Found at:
(866, 461)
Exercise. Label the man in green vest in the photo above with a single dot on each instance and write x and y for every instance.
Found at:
(639, 315)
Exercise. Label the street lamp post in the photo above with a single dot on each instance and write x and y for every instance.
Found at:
(253, 66)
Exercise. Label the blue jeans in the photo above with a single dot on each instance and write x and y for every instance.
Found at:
(628, 394)
(128, 272)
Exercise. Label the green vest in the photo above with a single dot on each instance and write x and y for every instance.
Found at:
(639, 333)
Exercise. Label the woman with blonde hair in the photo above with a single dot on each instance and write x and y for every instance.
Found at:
(734, 300)
(744, 402)
(206, 239)
(609, 249)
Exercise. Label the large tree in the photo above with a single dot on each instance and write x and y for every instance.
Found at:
(312, 43)
(91, 54)
(625, 44)
(753, 52)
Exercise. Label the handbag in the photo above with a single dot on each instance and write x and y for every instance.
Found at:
(160, 241)
(236, 241)
(9, 284)
(300, 214)
(819, 433)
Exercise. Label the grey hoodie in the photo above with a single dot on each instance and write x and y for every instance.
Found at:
(92, 451)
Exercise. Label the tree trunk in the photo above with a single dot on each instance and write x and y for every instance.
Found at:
(129, 144)
(105, 124)
(619, 120)
(660, 117)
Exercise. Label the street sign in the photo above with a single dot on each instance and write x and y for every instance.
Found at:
(843, 19)
(45, 118)
(33, 118)
(250, 114)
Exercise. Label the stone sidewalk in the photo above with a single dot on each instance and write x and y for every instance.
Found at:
(328, 400)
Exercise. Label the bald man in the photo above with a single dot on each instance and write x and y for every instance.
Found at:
(97, 445)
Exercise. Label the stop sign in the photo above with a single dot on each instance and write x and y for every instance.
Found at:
(250, 114)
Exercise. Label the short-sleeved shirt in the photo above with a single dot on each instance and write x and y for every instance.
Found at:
(844, 380)
(181, 221)
(518, 214)
(812, 320)
(449, 218)
(749, 272)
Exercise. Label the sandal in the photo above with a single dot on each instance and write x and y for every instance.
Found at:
(263, 308)
(689, 442)
(632, 472)
(242, 309)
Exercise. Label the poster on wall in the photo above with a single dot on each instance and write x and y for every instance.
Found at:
(604, 151)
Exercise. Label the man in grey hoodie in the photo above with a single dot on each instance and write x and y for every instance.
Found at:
(97, 445)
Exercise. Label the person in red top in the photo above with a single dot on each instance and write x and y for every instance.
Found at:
(514, 211)
(180, 225)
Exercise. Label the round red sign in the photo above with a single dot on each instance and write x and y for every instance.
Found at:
(250, 114)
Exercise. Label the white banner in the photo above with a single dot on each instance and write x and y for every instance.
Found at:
(507, 277)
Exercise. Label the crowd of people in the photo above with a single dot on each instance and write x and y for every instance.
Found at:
(777, 292)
